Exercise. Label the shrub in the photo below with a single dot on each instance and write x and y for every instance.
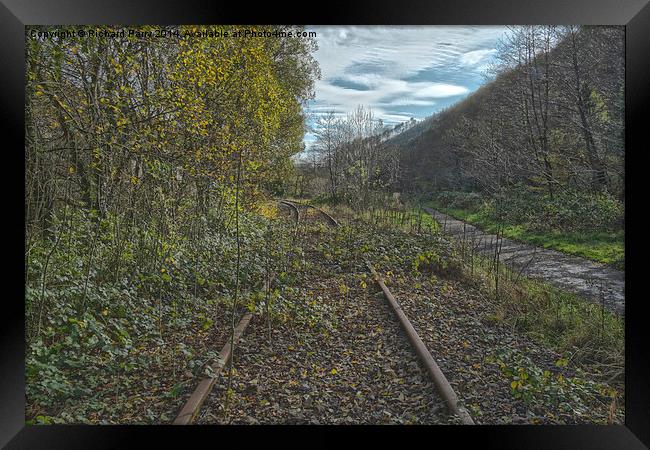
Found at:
(459, 200)
(566, 211)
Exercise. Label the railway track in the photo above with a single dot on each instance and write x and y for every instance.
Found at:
(300, 212)
(444, 388)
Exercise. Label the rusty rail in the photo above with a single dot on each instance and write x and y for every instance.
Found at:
(193, 405)
(293, 204)
(439, 380)
(293, 207)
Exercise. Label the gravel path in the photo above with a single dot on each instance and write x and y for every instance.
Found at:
(572, 273)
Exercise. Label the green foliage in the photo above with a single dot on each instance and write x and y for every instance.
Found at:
(577, 223)
(459, 199)
(433, 263)
(99, 335)
(565, 211)
(552, 391)
(135, 149)
(590, 335)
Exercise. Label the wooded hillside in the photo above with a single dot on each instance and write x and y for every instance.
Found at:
(552, 119)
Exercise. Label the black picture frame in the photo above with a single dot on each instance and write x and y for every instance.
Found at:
(15, 14)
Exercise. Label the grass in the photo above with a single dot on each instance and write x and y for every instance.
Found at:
(600, 246)
(410, 219)
(560, 319)
(588, 334)
(588, 339)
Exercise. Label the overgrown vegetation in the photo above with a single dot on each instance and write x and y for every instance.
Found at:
(583, 224)
(568, 212)
(586, 332)
(573, 398)
(589, 337)
(150, 167)
(146, 162)
(586, 381)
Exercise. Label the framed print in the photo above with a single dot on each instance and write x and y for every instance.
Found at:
(272, 220)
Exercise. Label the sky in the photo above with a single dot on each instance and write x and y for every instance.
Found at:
(399, 72)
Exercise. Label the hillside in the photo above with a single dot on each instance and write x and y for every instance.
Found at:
(553, 121)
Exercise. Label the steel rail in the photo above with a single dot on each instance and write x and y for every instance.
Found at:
(329, 218)
(440, 381)
(191, 408)
(438, 378)
(293, 207)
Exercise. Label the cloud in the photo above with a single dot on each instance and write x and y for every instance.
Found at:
(399, 72)
(408, 101)
(441, 90)
(476, 56)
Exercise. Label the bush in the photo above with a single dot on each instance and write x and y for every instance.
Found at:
(553, 391)
(566, 211)
(459, 200)
(102, 311)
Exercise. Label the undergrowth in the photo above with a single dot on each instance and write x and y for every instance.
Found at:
(94, 329)
(587, 227)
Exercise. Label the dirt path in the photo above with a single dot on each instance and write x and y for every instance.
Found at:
(589, 279)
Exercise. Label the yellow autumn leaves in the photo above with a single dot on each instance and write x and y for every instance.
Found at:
(200, 104)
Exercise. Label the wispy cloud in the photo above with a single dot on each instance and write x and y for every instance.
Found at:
(399, 72)
(476, 56)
